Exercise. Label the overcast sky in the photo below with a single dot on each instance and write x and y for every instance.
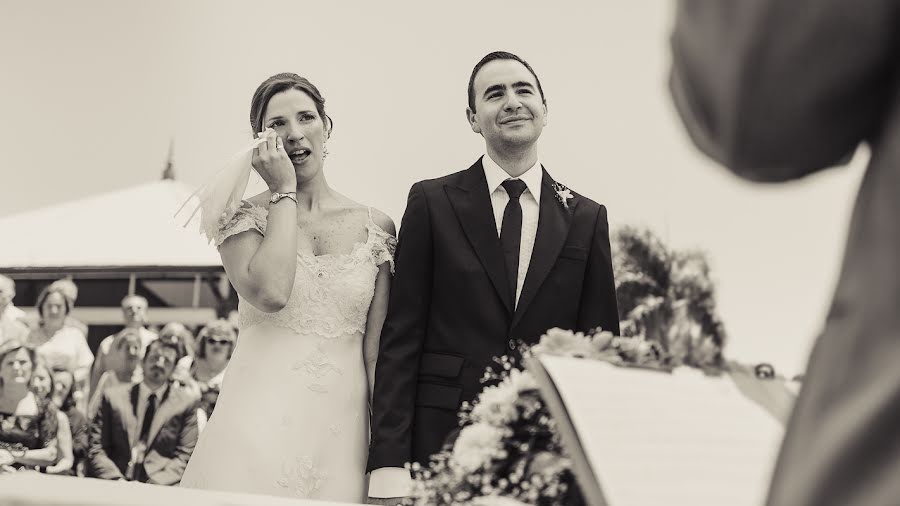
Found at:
(93, 91)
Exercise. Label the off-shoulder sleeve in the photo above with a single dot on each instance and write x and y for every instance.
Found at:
(383, 246)
(247, 217)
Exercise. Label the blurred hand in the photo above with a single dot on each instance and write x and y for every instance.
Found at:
(272, 163)
(6, 458)
(59, 468)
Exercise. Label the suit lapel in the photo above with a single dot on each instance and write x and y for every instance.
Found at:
(129, 414)
(554, 221)
(472, 204)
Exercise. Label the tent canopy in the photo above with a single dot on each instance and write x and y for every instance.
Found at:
(130, 229)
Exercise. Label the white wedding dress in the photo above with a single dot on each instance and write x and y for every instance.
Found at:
(292, 417)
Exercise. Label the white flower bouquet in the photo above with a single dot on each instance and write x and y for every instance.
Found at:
(507, 451)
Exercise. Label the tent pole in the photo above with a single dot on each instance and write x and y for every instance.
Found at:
(195, 301)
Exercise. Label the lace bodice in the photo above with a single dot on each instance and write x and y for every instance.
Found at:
(293, 405)
(332, 292)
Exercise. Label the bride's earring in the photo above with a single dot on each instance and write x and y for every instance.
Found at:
(324, 151)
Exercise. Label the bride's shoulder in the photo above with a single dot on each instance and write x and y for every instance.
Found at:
(383, 236)
(251, 214)
(259, 200)
(383, 221)
(256, 207)
(377, 216)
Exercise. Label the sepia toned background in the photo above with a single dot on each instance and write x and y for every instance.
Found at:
(92, 93)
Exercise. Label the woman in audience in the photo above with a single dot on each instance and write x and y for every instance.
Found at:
(61, 345)
(64, 400)
(42, 385)
(216, 343)
(70, 290)
(126, 360)
(181, 331)
(175, 331)
(28, 423)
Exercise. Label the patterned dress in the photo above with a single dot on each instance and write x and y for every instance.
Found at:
(292, 417)
(19, 433)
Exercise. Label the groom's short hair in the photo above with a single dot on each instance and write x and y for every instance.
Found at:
(500, 55)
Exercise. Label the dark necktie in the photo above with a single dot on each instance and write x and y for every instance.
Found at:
(148, 417)
(511, 232)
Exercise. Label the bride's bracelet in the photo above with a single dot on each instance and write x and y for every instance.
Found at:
(278, 196)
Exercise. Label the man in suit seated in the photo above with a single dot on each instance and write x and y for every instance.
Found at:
(134, 314)
(145, 432)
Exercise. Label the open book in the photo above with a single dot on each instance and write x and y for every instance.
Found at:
(644, 437)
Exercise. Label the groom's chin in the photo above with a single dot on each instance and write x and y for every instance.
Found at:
(522, 135)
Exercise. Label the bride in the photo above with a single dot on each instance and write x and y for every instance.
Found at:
(312, 269)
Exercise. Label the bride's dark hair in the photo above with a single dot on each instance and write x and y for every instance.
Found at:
(277, 84)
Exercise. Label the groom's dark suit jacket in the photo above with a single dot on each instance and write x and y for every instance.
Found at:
(451, 312)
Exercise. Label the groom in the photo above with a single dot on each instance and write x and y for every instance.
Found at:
(496, 253)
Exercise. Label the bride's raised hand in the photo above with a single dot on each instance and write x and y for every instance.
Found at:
(273, 164)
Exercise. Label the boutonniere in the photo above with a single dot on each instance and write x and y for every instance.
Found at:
(563, 194)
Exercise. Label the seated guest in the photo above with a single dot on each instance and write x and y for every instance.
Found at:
(125, 359)
(180, 331)
(12, 325)
(62, 397)
(28, 423)
(175, 331)
(70, 290)
(178, 335)
(42, 385)
(62, 346)
(134, 313)
(145, 432)
(216, 343)
(7, 293)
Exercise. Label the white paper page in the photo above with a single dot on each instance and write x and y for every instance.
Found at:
(668, 439)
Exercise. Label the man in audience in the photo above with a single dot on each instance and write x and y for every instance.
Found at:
(11, 324)
(134, 311)
(145, 432)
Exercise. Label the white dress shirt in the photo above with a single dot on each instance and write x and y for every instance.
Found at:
(530, 202)
(396, 481)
